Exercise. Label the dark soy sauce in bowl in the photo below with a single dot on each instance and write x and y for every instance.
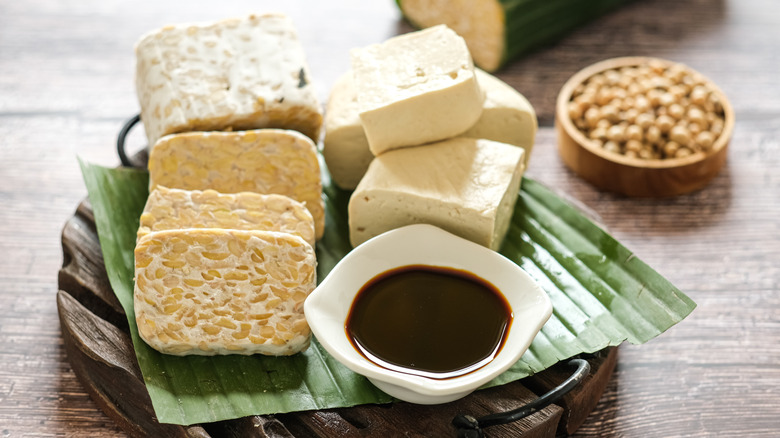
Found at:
(429, 321)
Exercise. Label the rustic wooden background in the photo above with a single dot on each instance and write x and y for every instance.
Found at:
(66, 86)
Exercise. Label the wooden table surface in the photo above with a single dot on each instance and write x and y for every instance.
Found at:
(66, 86)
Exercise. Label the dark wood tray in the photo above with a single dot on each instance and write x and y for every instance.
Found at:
(97, 341)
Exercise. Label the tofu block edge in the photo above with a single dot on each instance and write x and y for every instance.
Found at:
(416, 88)
(466, 186)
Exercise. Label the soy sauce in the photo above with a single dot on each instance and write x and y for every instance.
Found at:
(429, 321)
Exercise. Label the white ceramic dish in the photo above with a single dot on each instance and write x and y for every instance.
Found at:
(328, 306)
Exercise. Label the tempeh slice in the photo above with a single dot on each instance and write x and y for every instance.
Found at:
(211, 291)
(174, 209)
(268, 161)
(235, 74)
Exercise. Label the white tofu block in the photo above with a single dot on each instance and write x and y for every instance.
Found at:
(416, 88)
(235, 74)
(466, 186)
(345, 146)
(507, 117)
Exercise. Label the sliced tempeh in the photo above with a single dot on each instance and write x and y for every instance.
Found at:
(268, 161)
(175, 209)
(211, 291)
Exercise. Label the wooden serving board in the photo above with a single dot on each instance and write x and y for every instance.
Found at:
(97, 341)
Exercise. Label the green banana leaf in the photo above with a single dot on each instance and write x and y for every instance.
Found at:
(602, 295)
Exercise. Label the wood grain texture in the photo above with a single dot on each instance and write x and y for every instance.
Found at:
(66, 87)
(577, 404)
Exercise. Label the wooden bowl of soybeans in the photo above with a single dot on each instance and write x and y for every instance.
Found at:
(643, 127)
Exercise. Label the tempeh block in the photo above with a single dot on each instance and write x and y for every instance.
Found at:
(212, 291)
(235, 74)
(175, 209)
(268, 161)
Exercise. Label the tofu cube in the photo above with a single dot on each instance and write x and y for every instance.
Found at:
(466, 186)
(416, 88)
(345, 146)
(507, 117)
(210, 291)
(177, 209)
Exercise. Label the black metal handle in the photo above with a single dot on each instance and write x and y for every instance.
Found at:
(470, 427)
(120, 141)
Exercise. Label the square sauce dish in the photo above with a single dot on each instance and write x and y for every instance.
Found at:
(426, 316)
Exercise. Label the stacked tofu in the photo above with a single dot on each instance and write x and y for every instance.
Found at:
(224, 257)
(424, 137)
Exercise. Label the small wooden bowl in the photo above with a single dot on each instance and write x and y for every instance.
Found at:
(634, 176)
